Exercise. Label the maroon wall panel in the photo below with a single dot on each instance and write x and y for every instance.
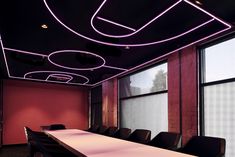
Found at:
(35, 104)
(189, 83)
(174, 93)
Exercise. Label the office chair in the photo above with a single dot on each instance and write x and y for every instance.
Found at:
(37, 144)
(94, 128)
(122, 133)
(205, 146)
(166, 140)
(111, 131)
(140, 136)
(102, 129)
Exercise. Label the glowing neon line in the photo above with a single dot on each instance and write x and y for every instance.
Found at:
(39, 80)
(141, 28)
(60, 76)
(26, 52)
(37, 54)
(111, 67)
(56, 72)
(207, 13)
(120, 45)
(158, 58)
(76, 51)
(23, 78)
(114, 23)
(5, 59)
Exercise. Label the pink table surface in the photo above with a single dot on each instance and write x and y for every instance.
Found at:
(94, 145)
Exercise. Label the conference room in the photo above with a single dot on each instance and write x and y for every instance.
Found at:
(117, 78)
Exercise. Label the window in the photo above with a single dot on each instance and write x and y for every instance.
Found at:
(218, 88)
(143, 100)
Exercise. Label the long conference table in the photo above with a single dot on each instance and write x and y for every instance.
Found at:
(87, 144)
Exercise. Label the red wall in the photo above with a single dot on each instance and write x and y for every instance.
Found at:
(34, 104)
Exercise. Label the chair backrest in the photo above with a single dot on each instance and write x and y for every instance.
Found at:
(111, 131)
(26, 131)
(166, 140)
(102, 129)
(204, 146)
(140, 136)
(94, 128)
(123, 133)
(57, 127)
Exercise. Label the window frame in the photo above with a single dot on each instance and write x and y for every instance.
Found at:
(202, 83)
(163, 61)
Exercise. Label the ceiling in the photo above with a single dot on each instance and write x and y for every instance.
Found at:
(87, 42)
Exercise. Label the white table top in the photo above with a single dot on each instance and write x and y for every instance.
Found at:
(95, 145)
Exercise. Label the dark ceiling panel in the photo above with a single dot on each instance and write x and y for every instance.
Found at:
(89, 41)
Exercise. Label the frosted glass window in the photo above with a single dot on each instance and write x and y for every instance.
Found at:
(220, 61)
(147, 112)
(147, 81)
(219, 112)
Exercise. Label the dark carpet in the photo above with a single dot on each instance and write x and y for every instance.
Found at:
(14, 151)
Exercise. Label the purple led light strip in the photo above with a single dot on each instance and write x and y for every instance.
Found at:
(111, 67)
(223, 22)
(5, 59)
(38, 54)
(14, 77)
(124, 45)
(57, 73)
(182, 34)
(39, 80)
(128, 35)
(158, 58)
(60, 76)
(117, 24)
(26, 52)
(76, 51)
(32, 79)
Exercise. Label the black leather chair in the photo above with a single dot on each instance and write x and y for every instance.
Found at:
(111, 131)
(122, 133)
(39, 143)
(94, 128)
(204, 146)
(57, 127)
(140, 136)
(102, 129)
(166, 140)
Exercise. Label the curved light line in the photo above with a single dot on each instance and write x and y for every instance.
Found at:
(138, 30)
(56, 72)
(76, 51)
(31, 79)
(113, 44)
(158, 58)
(62, 76)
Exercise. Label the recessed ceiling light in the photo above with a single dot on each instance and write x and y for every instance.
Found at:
(44, 26)
(198, 2)
(127, 47)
